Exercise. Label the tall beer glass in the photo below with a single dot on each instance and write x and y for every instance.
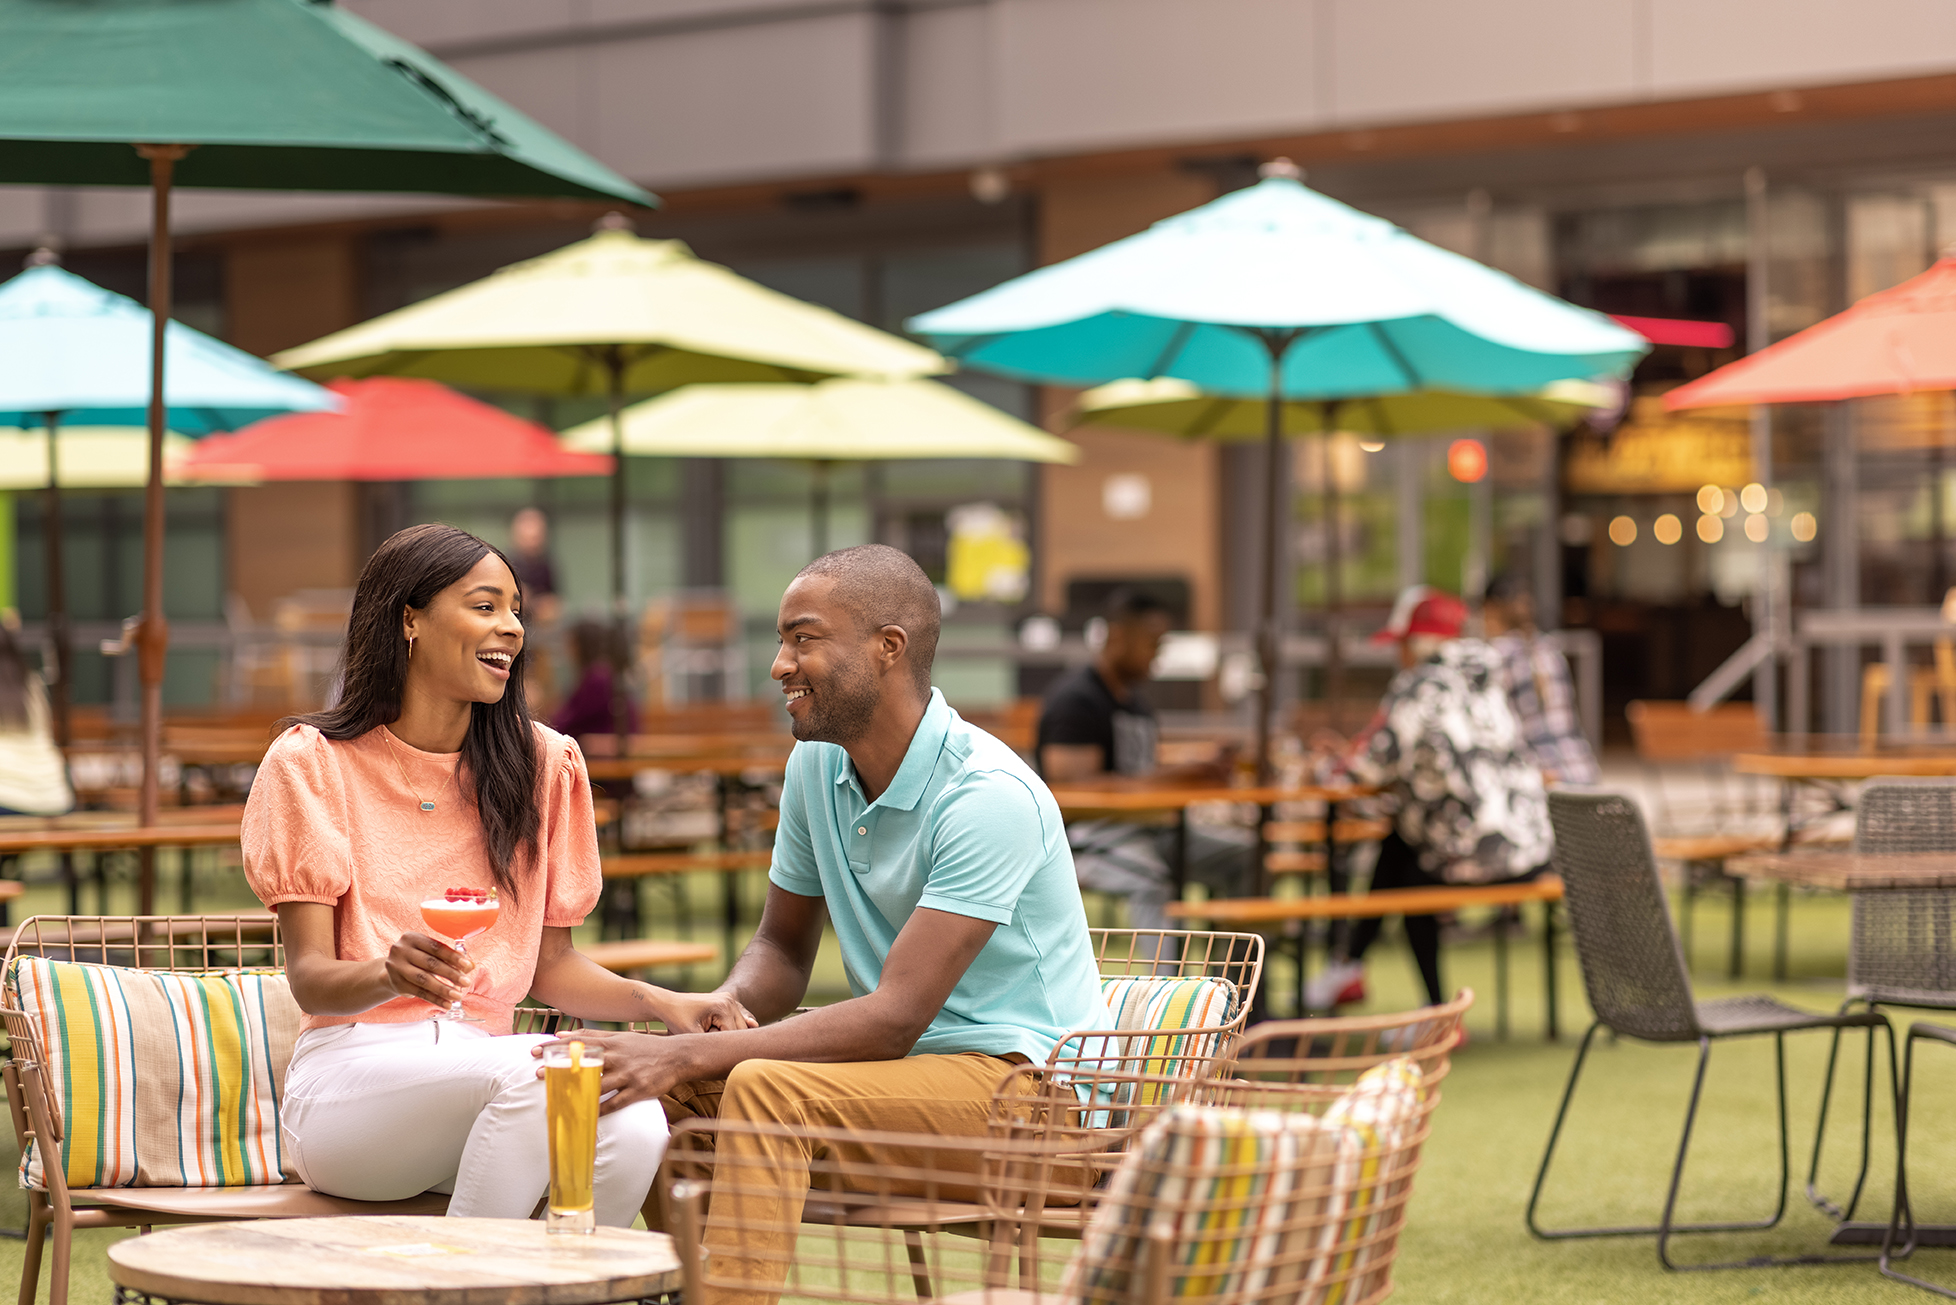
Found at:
(570, 1085)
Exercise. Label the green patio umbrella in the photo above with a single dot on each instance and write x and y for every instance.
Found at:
(1277, 292)
(248, 94)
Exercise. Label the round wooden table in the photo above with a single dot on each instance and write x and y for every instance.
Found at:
(392, 1260)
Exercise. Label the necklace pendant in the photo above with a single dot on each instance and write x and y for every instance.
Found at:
(427, 806)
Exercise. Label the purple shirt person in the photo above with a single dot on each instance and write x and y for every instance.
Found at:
(588, 709)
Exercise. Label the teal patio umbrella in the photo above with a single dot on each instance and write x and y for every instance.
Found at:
(79, 355)
(1277, 292)
(251, 94)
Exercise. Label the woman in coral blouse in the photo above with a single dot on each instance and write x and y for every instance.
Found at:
(429, 775)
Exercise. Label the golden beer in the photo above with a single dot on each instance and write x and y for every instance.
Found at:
(570, 1087)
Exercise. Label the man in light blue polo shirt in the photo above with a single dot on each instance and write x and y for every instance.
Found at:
(940, 859)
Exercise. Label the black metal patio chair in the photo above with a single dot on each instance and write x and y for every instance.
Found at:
(1638, 987)
(1901, 1220)
(1900, 951)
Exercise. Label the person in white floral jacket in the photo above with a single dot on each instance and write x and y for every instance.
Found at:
(1448, 749)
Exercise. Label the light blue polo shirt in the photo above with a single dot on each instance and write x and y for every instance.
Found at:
(965, 827)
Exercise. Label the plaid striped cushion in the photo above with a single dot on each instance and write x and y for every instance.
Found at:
(1251, 1201)
(162, 1079)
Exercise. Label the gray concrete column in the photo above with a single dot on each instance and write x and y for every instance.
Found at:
(1840, 564)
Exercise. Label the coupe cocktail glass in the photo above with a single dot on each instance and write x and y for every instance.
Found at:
(458, 915)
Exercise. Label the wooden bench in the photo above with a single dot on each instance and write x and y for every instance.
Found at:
(1308, 832)
(1246, 912)
(627, 955)
(1312, 831)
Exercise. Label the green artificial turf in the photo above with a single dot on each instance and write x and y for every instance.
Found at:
(1465, 1240)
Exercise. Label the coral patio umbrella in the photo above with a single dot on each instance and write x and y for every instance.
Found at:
(1281, 293)
(391, 428)
(252, 94)
(1896, 341)
(1893, 342)
(831, 421)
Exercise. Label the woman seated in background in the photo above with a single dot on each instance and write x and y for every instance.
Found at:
(427, 776)
(589, 710)
(33, 773)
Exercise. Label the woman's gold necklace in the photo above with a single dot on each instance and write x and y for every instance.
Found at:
(427, 804)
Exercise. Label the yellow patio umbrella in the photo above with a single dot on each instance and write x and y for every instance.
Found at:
(92, 457)
(824, 423)
(613, 315)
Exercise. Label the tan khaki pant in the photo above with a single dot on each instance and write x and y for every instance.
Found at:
(750, 1229)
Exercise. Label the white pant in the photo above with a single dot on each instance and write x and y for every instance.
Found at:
(382, 1112)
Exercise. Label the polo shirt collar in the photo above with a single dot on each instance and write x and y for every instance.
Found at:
(919, 760)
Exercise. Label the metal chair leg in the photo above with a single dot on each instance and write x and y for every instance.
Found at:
(1903, 1216)
(1665, 1229)
(1821, 1202)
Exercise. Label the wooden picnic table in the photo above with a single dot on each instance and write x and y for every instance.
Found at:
(1822, 760)
(121, 837)
(1800, 762)
(1113, 797)
(1851, 872)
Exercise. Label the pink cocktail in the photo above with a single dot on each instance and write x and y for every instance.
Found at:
(458, 915)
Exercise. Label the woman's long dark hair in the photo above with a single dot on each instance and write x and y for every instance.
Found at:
(499, 752)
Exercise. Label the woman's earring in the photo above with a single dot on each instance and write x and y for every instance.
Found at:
(410, 647)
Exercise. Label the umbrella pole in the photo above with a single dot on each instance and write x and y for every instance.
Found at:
(153, 635)
(1269, 640)
(1334, 588)
(621, 726)
(818, 507)
(57, 588)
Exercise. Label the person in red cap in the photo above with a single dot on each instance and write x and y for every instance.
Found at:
(1446, 746)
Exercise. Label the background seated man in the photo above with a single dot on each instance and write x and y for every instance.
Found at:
(941, 861)
(1096, 722)
(1471, 807)
(1539, 687)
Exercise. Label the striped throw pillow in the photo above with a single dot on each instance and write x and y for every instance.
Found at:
(1251, 1201)
(1165, 1007)
(162, 1079)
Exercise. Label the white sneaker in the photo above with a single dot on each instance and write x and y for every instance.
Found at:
(1339, 984)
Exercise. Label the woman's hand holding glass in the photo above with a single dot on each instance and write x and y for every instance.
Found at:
(420, 966)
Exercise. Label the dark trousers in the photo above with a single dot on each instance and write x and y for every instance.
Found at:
(1399, 867)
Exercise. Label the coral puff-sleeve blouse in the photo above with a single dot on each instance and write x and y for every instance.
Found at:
(338, 823)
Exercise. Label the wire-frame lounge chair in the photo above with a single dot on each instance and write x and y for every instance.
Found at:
(1179, 999)
(1899, 1241)
(1899, 951)
(1639, 988)
(55, 1207)
(1213, 1201)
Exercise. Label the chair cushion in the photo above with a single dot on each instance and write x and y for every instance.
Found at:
(1247, 1201)
(162, 1079)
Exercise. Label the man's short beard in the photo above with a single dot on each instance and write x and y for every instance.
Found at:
(840, 708)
